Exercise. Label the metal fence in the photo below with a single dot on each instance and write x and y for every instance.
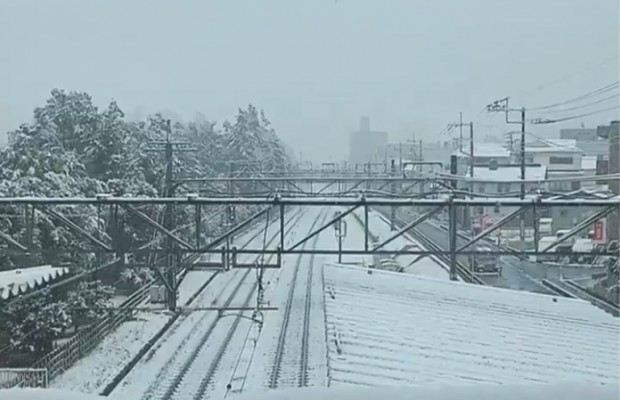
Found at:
(65, 355)
(23, 377)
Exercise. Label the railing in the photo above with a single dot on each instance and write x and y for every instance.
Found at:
(67, 354)
(23, 377)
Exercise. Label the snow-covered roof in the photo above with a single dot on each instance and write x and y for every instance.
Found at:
(390, 329)
(552, 145)
(487, 150)
(45, 394)
(583, 245)
(563, 390)
(15, 282)
(509, 173)
(588, 163)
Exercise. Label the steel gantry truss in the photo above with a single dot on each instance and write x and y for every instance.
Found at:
(313, 186)
(281, 204)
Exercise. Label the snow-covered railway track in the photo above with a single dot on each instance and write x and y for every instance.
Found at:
(290, 362)
(190, 377)
(166, 353)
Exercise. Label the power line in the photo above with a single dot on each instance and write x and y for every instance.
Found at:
(540, 121)
(615, 96)
(570, 76)
(584, 96)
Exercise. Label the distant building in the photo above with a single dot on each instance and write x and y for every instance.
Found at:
(366, 146)
(579, 134)
(561, 157)
(589, 168)
(436, 151)
(588, 140)
(484, 153)
(401, 151)
(501, 182)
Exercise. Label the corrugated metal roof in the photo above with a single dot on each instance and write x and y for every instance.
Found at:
(19, 281)
(395, 329)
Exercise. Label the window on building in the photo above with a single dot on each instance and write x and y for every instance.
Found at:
(481, 188)
(503, 187)
(480, 210)
(560, 160)
(529, 160)
(575, 185)
(563, 213)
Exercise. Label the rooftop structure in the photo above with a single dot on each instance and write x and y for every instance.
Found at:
(509, 173)
(552, 145)
(390, 329)
(16, 282)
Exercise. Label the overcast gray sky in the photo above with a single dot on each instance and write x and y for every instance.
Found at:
(315, 66)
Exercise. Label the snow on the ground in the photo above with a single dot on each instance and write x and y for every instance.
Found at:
(389, 329)
(97, 369)
(117, 300)
(380, 227)
(261, 365)
(92, 373)
(44, 394)
(191, 284)
(164, 361)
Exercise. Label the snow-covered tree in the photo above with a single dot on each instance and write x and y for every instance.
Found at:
(73, 149)
(35, 323)
(88, 300)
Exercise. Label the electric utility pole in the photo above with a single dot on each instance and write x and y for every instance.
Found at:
(502, 106)
(467, 217)
(169, 189)
(461, 132)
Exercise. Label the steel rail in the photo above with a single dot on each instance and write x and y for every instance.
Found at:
(172, 388)
(275, 369)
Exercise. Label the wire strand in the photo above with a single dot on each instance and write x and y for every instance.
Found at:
(579, 107)
(540, 121)
(584, 96)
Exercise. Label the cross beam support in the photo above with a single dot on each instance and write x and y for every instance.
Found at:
(76, 228)
(296, 201)
(581, 226)
(410, 225)
(321, 229)
(503, 221)
(156, 225)
(9, 239)
(237, 228)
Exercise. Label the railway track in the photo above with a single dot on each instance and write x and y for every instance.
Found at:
(571, 289)
(177, 321)
(191, 369)
(287, 353)
(461, 269)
